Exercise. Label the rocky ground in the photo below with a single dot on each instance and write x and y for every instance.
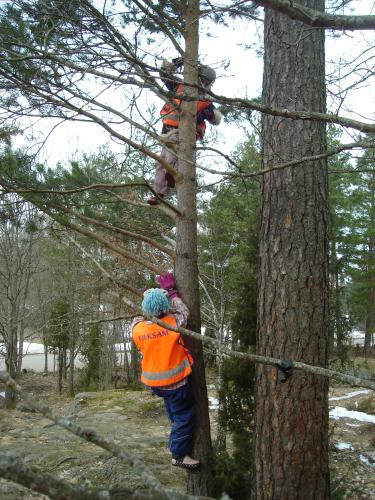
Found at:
(136, 420)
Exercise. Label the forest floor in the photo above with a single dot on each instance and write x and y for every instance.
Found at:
(136, 421)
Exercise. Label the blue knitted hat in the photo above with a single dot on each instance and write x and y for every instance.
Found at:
(155, 302)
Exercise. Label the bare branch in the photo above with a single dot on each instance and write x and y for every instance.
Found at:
(298, 365)
(110, 276)
(119, 230)
(15, 470)
(292, 163)
(100, 239)
(317, 18)
(93, 437)
(294, 115)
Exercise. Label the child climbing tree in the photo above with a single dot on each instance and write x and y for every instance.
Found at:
(66, 60)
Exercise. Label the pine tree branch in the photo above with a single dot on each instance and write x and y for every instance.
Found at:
(100, 239)
(292, 163)
(164, 206)
(16, 471)
(294, 115)
(82, 189)
(93, 437)
(79, 110)
(118, 230)
(255, 358)
(160, 21)
(317, 18)
(298, 365)
(110, 276)
(109, 320)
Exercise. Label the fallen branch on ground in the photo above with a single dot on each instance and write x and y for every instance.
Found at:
(15, 470)
(93, 437)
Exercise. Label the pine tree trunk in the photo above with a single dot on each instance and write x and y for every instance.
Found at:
(134, 363)
(291, 428)
(71, 362)
(370, 318)
(125, 340)
(10, 363)
(221, 433)
(60, 362)
(65, 364)
(45, 359)
(186, 254)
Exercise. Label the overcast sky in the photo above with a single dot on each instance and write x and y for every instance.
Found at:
(239, 74)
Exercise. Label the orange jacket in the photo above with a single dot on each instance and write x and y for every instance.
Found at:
(171, 115)
(165, 359)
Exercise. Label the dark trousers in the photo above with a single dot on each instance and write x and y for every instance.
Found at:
(179, 404)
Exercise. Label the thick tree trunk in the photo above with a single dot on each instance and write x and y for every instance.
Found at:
(186, 254)
(291, 430)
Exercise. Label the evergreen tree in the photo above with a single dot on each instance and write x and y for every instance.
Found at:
(229, 267)
(362, 235)
(90, 350)
(341, 251)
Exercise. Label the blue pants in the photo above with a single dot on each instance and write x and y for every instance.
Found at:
(179, 404)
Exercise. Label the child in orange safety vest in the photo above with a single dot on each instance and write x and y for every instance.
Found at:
(166, 364)
(171, 119)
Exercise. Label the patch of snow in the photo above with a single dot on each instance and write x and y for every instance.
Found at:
(32, 348)
(344, 446)
(353, 425)
(213, 403)
(2, 394)
(350, 395)
(123, 346)
(340, 412)
(366, 461)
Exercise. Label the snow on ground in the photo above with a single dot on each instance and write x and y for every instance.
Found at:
(365, 460)
(344, 446)
(33, 348)
(213, 403)
(340, 412)
(349, 447)
(350, 395)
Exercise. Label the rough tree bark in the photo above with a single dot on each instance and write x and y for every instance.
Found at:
(291, 434)
(186, 253)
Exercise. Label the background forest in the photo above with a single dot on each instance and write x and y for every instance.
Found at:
(272, 241)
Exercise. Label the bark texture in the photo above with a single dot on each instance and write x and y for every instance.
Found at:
(291, 437)
(186, 253)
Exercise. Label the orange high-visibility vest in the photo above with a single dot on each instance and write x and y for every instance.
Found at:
(171, 114)
(165, 359)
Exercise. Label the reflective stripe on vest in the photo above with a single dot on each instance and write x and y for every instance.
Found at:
(165, 359)
(167, 374)
(171, 115)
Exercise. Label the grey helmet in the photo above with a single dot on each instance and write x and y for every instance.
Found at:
(207, 73)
